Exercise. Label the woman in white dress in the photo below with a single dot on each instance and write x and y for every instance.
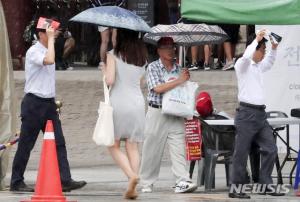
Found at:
(123, 72)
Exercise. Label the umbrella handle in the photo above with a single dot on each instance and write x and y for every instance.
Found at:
(121, 3)
(182, 54)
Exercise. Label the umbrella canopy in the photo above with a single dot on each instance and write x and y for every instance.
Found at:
(112, 16)
(187, 34)
(266, 12)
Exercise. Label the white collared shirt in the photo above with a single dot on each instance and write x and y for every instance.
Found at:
(250, 75)
(40, 78)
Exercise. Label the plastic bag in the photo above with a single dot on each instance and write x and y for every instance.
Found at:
(180, 101)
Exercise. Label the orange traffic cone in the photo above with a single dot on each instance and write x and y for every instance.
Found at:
(48, 186)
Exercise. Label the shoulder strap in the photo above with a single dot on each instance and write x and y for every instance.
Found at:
(106, 91)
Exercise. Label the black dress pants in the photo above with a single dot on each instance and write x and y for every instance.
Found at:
(35, 112)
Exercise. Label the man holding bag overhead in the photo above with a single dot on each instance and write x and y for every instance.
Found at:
(164, 75)
(251, 119)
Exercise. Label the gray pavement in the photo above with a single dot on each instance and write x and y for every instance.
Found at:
(108, 183)
(81, 91)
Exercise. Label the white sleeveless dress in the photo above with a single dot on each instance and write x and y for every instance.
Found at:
(128, 102)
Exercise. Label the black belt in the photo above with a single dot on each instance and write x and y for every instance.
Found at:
(40, 98)
(259, 107)
(155, 106)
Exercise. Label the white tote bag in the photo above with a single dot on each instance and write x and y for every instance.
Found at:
(180, 101)
(104, 129)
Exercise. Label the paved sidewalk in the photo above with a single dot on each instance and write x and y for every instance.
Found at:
(108, 183)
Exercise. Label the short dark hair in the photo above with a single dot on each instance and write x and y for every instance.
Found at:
(252, 37)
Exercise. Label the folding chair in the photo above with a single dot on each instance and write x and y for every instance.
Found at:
(218, 146)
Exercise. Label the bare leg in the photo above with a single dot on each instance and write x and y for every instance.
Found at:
(68, 47)
(206, 51)
(104, 44)
(233, 47)
(228, 51)
(134, 160)
(206, 54)
(133, 155)
(122, 160)
(194, 54)
(114, 37)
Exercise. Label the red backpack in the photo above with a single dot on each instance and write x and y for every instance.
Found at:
(204, 104)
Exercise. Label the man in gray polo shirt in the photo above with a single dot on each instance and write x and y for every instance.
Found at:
(164, 75)
(38, 106)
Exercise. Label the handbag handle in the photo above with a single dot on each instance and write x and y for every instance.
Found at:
(106, 91)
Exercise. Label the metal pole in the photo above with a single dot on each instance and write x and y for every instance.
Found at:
(184, 54)
(180, 56)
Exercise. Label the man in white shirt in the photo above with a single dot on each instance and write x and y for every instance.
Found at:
(251, 119)
(38, 106)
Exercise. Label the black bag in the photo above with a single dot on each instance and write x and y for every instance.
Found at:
(295, 112)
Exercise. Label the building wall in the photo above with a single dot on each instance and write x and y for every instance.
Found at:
(17, 13)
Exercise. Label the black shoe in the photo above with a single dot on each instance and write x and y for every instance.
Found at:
(21, 187)
(238, 195)
(193, 67)
(72, 185)
(60, 65)
(60, 68)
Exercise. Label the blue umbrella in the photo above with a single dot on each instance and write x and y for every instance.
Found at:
(112, 16)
